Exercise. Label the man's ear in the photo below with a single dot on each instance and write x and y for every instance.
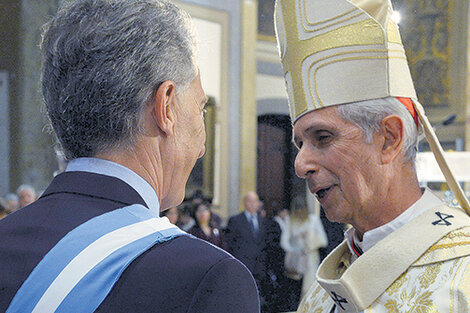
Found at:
(163, 111)
(393, 132)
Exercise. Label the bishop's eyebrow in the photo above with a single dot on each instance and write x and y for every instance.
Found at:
(317, 128)
(312, 131)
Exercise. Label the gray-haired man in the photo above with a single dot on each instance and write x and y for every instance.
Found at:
(124, 98)
(26, 195)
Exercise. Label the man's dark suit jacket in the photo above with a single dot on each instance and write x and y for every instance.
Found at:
(244, 246)
(184, 274)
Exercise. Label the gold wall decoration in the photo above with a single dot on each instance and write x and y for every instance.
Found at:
(425, 29)
(248, 116)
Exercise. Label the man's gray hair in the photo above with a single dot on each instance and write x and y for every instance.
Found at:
(25, 187)
(102, 62)
(367, 115)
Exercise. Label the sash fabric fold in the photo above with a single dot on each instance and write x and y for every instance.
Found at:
(77, 274)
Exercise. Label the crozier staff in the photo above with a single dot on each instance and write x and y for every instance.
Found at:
(356, 117)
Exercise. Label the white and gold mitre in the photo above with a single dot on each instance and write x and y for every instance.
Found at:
(340, 51)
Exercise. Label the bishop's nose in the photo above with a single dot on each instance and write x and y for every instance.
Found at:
(305, 163)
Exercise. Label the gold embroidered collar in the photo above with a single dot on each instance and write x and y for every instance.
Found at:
(355, 287)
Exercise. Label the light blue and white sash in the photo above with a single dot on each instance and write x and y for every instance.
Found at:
(77, 274)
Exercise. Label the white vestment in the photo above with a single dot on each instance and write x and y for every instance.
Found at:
(424, 266)
(301, 240)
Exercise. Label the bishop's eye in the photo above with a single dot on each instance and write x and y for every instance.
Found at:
(323, 137)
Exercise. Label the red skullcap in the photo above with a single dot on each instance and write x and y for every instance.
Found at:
(408, 103)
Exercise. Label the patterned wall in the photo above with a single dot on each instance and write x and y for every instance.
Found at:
(425, 28)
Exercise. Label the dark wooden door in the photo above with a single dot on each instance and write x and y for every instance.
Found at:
(276, 180)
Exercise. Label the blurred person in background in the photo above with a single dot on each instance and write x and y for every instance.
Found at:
(199, 197)
(279, 293)
(172, 215)
(247, 240)
(288, 289)
(301, 239)
(3, 210)
(185, 220)
(11, 202)
(281, 218)
(26, 195)
(205, 227)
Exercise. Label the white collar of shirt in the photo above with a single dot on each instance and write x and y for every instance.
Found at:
(371, 237)
(109, 168)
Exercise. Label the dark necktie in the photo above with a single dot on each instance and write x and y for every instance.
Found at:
(253, 225)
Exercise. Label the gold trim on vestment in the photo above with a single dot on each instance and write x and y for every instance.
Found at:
(424, 233)
(393, 35)
(447, 248)
(449, 245)
(452, 287)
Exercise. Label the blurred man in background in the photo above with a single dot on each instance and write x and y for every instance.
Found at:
(26, 195)
(246, 239)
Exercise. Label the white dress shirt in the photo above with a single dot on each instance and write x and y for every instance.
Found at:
(371, 237)
(252, 219)
(108, 168)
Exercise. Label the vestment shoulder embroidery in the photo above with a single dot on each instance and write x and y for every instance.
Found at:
(429, 276)
(316, 300)
(454, 245)
(462, 291)
(424, 288)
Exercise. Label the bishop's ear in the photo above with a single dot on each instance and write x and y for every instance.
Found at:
(163, 111)
(393, 130)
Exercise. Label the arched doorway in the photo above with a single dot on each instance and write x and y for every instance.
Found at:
(277, 183)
